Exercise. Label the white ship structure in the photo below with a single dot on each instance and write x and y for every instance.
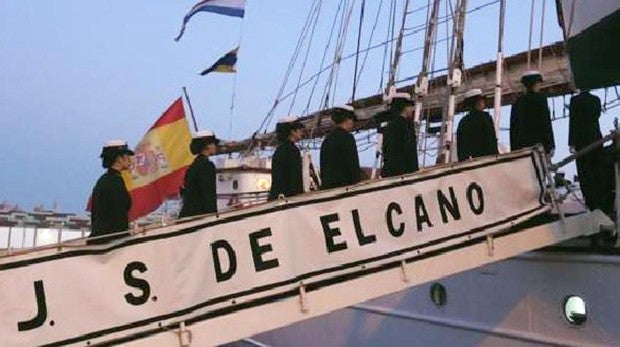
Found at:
(495, 251)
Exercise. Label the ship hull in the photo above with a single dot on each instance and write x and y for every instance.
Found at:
(517, 302)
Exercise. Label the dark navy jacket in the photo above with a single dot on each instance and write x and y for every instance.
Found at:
(286, 171)
(199, 190)
(340, 165)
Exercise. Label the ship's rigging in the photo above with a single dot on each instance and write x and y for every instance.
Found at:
(498, 79)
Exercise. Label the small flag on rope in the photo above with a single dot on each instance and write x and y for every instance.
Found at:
(233, 8)
(224, 64)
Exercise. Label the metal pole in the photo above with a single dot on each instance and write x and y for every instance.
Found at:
(191, 110)
(378, 155)
(359, 40)
(23, 236)
(8, 242)
(421, 89)
(617, 169)
(454, 81)
(497, 100)
(542, 30)
(398, 48)
(589, 148)
(529, 45)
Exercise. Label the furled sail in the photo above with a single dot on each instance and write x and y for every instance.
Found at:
(592, 30)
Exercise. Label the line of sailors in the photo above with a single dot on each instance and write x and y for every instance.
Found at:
(530, 124)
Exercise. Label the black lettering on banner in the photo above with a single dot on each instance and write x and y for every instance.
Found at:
(220, 275)
(258, 250)
(475, 208)
(421, 213)
(41, 317)
(330, 233)
(137, 283)
(361, 238)
(394, 207)
(451, 206)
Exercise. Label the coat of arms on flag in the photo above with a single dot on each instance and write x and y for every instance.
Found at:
(160, 161)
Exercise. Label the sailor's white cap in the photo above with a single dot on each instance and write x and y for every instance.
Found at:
(342, 112)
(531, 73)
(288, 119)
(116, 147)
(203, 134)
(347, 108)
(288, 123)
(400, 95)
(472, 92)
(115, 143)
(530, 77)
(202, 138)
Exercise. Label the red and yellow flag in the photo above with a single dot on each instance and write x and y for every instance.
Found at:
(160, 162)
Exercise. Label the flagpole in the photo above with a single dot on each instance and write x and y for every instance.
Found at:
(234, 87)
(191, 110)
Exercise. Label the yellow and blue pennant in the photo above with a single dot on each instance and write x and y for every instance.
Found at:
(224, 64)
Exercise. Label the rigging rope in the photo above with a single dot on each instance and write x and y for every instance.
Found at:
(357, 55)
(542, 29)
(315, 77)
(291, 65)
(529, 45)
(303, 66)
(397, 52)
(372, 34)
(339, 59)
(388, 39)
(332, 81)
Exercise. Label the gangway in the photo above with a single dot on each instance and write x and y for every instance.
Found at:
(219, 278)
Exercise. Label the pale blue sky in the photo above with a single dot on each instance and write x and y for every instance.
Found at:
(75, 73)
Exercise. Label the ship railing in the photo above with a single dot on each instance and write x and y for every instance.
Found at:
(21, 238)
(61, 238)
(614, 136)
(245, 199)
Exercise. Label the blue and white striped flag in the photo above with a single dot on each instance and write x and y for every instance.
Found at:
(233, 8)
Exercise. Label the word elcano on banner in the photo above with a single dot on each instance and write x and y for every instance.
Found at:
(215, 268)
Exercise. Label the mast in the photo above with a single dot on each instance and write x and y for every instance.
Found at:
(390, 88)
(397, 54)
(191, 110)
(497, 101)
(421, 87)
(454, 81)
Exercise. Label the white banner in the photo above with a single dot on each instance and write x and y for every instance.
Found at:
(580, 15)
(220, 266)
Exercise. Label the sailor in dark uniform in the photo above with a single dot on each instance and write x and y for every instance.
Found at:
(530, 119)
(400, 147)
(475, 135)
(199, 187)
(111, 201)
(286, 169)
(584, 129)
(339, 160)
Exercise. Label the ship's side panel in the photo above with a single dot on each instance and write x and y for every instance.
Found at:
(516, 302)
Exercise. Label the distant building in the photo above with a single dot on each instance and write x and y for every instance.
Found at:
(12, 215)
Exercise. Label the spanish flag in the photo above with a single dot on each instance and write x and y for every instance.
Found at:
(224, 64)
(160, 162)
